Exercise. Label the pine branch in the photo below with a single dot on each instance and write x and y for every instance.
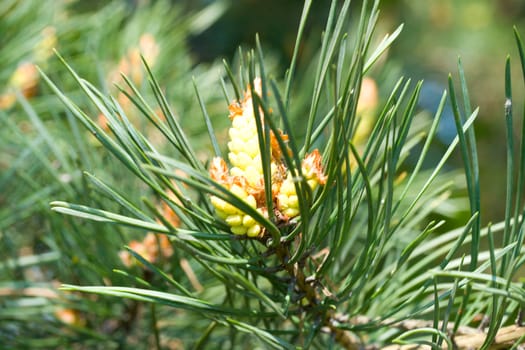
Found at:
(465, 338)
(312, 290)
(505, 339)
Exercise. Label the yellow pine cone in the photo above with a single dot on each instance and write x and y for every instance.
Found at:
(287, 201)
(312, 170)
(245, 177)
(239, 222)
(244, 152)
(287, 198)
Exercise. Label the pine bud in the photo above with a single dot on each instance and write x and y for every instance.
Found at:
(245, 178)
(311, 168)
